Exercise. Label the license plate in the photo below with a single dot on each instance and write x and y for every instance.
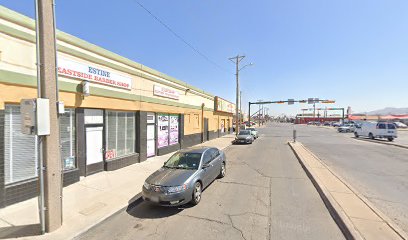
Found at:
(154, 198)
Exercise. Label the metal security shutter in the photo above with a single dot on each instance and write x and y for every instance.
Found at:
(67, 139)
(111, 131)
(20, 161)
(121, 134)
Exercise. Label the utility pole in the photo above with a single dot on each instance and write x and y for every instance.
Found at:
(240, 107)
(237, 59)
(51, 143)
(314, 111)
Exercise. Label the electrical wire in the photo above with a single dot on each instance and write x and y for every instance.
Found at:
(181, 38)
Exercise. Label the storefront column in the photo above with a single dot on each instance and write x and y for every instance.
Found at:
(181, 131)
(141, 135)
(80, 141)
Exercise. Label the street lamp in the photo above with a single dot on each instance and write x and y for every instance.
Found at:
(237, 60)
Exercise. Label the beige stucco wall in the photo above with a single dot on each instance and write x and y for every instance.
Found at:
(18, 55)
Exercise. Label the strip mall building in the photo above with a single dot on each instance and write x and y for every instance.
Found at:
(133, 112)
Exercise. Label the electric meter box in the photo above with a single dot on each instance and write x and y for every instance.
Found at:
(35, 116)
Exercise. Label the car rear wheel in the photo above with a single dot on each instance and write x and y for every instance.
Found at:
(371, 136)
(223, 170)
(196, 193)
(390, 139)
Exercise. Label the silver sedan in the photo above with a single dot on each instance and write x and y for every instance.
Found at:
(184, 176)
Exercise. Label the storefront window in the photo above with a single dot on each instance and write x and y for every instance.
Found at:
(20, 150)
(120, 134)
(67, 139)
(163, 130)
(167, 130)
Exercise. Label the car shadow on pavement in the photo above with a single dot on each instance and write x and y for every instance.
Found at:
(20, 231)
(139, 208)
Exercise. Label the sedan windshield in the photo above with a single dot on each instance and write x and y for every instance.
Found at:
(251, 129)
(184, 160)
(244, 133)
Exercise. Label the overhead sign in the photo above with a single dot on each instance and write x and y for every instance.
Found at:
(93, 73)
(222, 105)
(313, 100)
(165, 92)
(291, 101)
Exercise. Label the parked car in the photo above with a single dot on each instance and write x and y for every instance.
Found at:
(254, 132)
(244, 136)
(400, 125)
(184, 176)
(326, 124)
(376, 130)
(346, 128)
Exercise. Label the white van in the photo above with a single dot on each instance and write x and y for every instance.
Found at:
(376, 130)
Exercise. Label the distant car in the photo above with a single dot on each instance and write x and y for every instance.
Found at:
(244, 136)
(346, 128)
(374, 130)
(326, 123)
(184, 176)
(336, 124)
(400, 125)
(254, 132)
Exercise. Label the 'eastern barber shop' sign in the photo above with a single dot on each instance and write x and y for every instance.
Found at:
(93, 74)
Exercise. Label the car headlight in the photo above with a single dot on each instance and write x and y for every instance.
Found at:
(176, 189)
(146, 185)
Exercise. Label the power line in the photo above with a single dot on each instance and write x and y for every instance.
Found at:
(180, 37)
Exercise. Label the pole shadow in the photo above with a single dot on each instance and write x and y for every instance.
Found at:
(20, 231)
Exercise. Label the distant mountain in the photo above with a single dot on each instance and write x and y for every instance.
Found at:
(388, 111)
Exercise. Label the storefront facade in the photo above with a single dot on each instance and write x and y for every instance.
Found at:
(131, 113)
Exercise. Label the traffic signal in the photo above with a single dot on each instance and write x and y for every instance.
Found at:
(280, 102)
(328, 101)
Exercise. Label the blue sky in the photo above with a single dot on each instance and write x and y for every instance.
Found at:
(355, 52)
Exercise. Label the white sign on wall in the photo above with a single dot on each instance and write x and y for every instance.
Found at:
(93, 74)
(165, 92)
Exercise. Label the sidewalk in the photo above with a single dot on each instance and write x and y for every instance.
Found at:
(89, 201)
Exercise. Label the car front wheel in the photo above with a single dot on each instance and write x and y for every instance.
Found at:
(196, 193)
(356, 135)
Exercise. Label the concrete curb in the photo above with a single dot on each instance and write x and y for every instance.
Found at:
(332, 205)
(381, 142)
(131, 204)
(337, 213)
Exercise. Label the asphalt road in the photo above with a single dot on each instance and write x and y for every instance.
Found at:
(265, 195)
(378, 171)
